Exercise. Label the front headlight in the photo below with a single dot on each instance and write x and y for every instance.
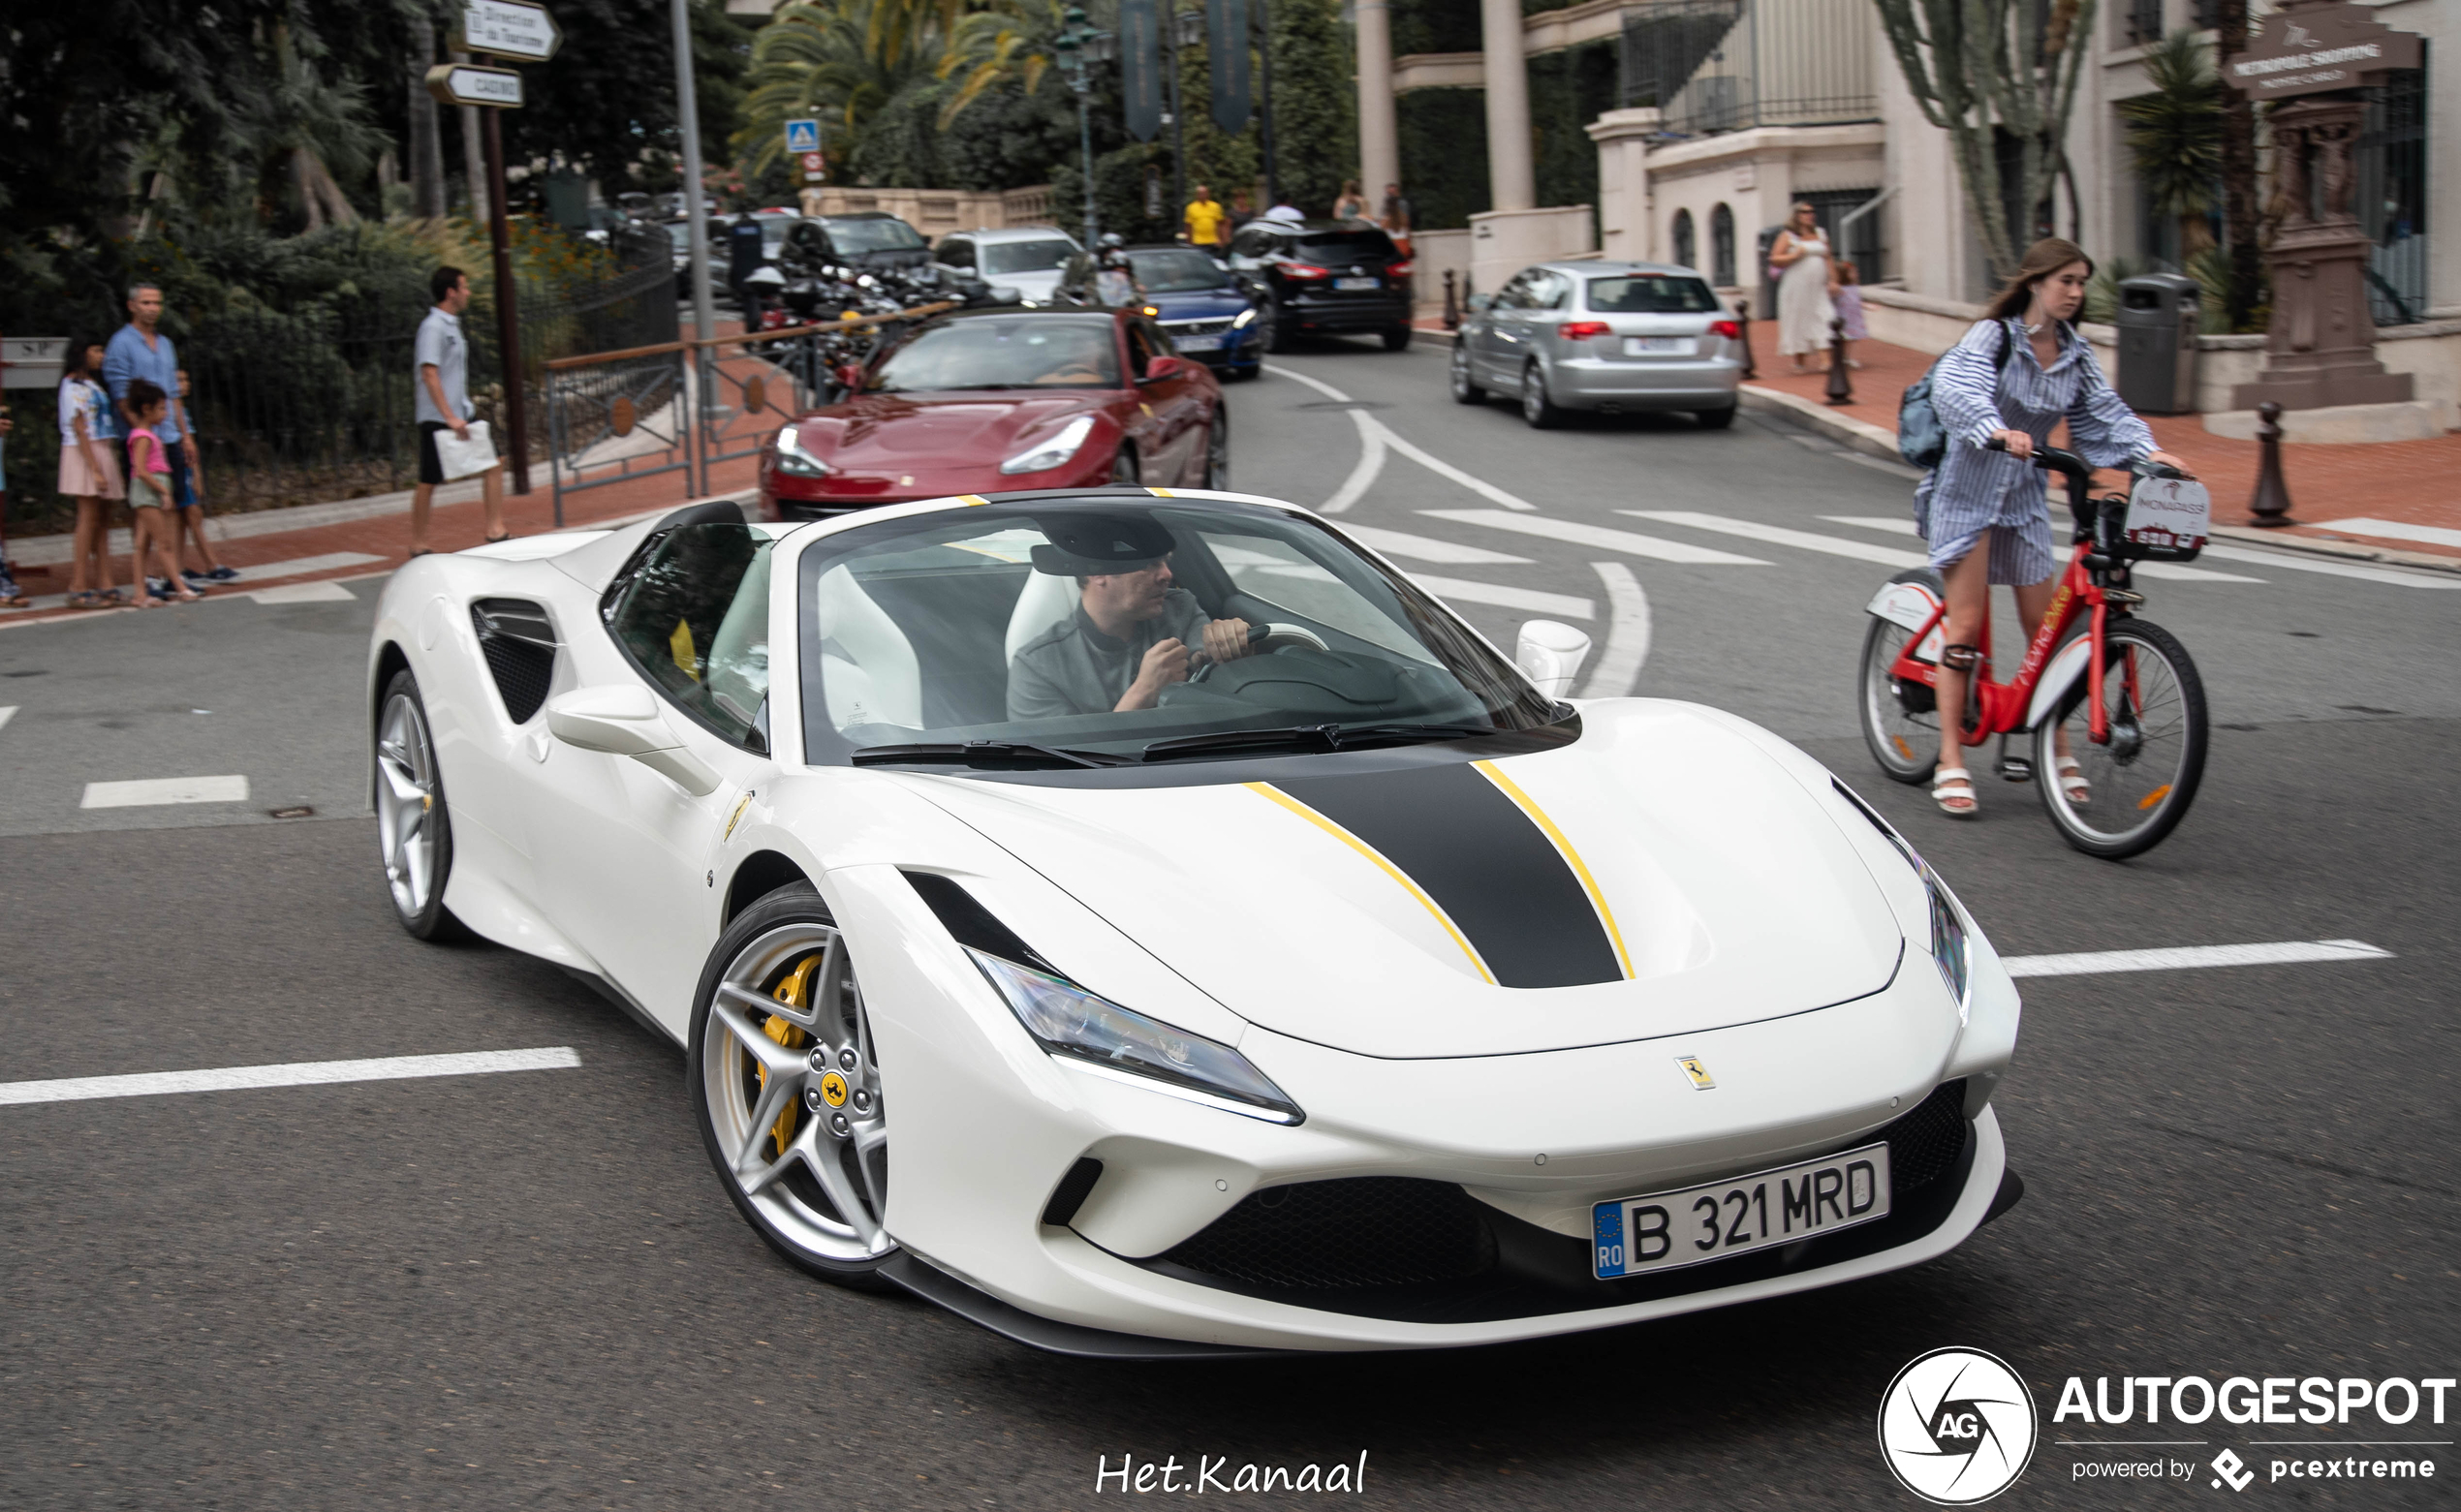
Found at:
(1244, 318)
(1055, 451)
(794, 460)
(1066, 1020)
(1949, 948)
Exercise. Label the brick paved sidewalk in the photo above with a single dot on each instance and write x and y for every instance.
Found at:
(2414, 483)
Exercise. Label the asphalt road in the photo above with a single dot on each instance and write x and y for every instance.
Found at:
(525, 1289)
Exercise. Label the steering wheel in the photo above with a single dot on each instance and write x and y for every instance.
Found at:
(1269, 638)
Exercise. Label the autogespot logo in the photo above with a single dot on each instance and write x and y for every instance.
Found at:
(1958, 1427)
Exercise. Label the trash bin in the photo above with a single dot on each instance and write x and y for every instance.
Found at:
(2157, 318)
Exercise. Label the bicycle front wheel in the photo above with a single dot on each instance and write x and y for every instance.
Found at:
(2141, 782)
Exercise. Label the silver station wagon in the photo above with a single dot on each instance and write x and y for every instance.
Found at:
(1606, 336)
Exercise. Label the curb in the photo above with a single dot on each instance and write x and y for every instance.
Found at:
(1861, 435)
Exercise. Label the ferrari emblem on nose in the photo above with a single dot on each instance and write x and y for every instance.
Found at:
(1700, 1073)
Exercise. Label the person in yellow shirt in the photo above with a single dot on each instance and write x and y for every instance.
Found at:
(1206, 220)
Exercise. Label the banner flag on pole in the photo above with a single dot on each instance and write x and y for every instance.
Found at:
(1226, 47)
(1140, 66)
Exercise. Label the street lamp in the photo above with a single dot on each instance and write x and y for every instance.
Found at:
(1187, 30)
(1080, 45)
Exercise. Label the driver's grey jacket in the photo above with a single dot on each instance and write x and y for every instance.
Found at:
(1075, 668)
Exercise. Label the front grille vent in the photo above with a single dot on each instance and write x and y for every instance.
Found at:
(1357, 1231)
(518, 641)
(1924, 1144)
(1195, 327)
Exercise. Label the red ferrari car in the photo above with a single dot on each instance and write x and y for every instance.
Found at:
(993, 401)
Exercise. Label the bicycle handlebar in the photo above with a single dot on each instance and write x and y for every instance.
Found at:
(2052, 459)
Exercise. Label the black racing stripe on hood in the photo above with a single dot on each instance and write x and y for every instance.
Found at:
(1477, 855)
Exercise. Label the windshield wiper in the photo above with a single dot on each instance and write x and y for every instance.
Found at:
(978, 749)
(1310, 737)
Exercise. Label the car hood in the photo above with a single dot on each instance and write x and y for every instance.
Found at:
(1199, 304)
(1664, 875)
(900, 430)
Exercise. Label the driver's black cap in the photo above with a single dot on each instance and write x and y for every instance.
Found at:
(1091, 546)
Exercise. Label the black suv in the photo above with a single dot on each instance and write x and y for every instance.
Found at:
(1325, 276)
(868, 241)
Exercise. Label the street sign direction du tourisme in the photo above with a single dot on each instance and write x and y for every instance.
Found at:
(467, 83)
(510, 29)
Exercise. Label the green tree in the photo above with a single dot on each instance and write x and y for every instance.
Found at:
(2174, 138)
(1315, 102)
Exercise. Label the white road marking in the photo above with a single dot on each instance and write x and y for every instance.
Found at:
(1637, 544)
(1371, 464)
(1893, 469)
(298, 1073)
(2172, 572)
(1317, 384)
(297, 567)
(2305, 564)
(2185, 957)
(148, 791)
(324, 592)
(1372, 432)
(1780, 535)
(1504, 597)
(2395, 530)
(1428, 548)
(1627, 650)
(8, 711)
(1443, 469)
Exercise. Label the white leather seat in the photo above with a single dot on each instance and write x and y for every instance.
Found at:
(867, 665)
(1045, 601)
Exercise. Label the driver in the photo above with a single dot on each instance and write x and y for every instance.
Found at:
(1131, 634)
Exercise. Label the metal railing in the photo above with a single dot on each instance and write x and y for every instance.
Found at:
(1728, 65)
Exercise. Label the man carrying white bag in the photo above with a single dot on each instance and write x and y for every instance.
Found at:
(451, 444)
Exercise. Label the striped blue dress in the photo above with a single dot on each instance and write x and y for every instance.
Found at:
(1972, 490)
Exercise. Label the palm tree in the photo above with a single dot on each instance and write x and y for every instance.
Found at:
(2175, 136)
(840, 64)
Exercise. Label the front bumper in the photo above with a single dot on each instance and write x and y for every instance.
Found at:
(784, 496)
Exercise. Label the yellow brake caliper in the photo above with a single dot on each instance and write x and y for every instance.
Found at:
(795, 992)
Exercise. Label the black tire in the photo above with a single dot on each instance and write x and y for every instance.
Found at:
(414, 825)
(1901, 727)
(2146, 777)
(794, 1214)
(1248, 374)
(1465, 387)
(1541, 412)
(1280, 335)
(1124, 469)
(1715, 419)
(1396, 338)
(1218, 450)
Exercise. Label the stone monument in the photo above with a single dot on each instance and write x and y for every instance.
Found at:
(2320, 345)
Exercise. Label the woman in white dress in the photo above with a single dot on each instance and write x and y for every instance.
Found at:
(1803, 309)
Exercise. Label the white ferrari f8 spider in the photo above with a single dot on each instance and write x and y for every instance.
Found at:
(1149, 925)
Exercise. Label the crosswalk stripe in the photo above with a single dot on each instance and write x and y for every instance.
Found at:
(297, 1073)
(148, 791)
(1629, 541)
(2172, 572)
(2185, 957)
(2370, 574)
(8, 711)
(1504, 597)
(1780, 535)
(1428, 548)
(1627, 648)
(2395, 530)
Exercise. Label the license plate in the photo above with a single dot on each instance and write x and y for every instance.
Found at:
(2168, 511)
(1644, 346)
(1347, 284)
(1669, 1229)
(1196, 342)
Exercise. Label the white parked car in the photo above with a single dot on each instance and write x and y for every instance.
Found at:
(1353, 990)
(1026, 259)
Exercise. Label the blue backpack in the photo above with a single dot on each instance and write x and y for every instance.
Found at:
(1921, 440)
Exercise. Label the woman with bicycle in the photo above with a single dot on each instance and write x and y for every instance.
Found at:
(1986, 512)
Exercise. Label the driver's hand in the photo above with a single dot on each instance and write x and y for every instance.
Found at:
(1227, 640)
(2019, 443)
(1166, 664)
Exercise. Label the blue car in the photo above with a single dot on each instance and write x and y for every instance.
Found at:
(1208, 313)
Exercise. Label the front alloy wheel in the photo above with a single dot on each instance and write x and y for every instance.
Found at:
(1465, 387)
(785, 1084)
(413, 831)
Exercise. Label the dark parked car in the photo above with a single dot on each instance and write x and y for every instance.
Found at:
(1325, 276)
(1206, 308)
(869, 241)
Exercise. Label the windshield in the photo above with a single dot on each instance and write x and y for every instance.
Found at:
(1177, 271)
(1004, 351)
(1651, 293)
(884, 235)
(1062, 632)
(1348, 246)
(1026, 257)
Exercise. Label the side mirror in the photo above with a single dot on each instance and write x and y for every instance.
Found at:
(1550, 653)
(625, 722)
(1161, 368)
(1480, 304)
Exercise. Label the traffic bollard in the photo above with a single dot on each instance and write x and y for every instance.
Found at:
(1841, 388)
(1452, 304)
(2271, 505)
(1743, 321)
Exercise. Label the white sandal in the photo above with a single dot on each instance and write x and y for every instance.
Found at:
(1944, 786)
(2072, 783)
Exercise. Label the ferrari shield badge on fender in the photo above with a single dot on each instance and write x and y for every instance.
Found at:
(1700, 1073)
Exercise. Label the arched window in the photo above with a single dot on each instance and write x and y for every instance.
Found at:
(1687, 248)
(1722, 247)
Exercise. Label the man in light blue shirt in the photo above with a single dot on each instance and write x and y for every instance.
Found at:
(441, 368)
(140, 349)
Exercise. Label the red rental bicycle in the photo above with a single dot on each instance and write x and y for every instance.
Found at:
(2120, 696)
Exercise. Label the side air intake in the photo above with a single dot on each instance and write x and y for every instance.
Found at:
(518, 641)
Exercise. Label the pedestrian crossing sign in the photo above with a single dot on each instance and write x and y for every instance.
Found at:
(803, 136)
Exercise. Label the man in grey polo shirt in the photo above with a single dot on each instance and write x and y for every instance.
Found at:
(1131, 634)
(441, 368)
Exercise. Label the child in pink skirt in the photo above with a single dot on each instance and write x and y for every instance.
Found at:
(149, 500)
(1846, 294)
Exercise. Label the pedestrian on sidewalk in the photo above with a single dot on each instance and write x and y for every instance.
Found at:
(1352, 205)
(441, 360)
(188, 511)
(2017, 373)
(1207, 223)
(10, 597)
(140, 349)
(1800, 256)
(89, 473)
(1396, 218)
(1846, 293)
(1242, 211)
(149, 499)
